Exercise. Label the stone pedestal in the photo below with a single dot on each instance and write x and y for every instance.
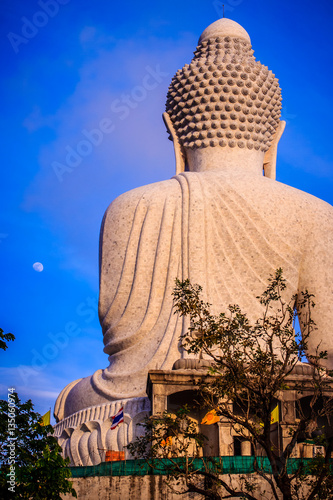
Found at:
(86, 435)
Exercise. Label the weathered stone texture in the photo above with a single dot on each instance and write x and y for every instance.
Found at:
(141, 488)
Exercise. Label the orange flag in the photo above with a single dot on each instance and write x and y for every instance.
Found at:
(166, 442)
(210, 418)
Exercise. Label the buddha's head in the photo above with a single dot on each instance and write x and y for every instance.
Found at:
(224, 98)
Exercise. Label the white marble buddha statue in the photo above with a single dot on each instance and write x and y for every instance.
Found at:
(223, 222)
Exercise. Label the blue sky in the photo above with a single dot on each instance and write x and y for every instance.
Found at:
(81, 72)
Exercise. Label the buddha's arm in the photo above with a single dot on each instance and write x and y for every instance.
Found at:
(316, 276)
(130, 234)
(115, 233)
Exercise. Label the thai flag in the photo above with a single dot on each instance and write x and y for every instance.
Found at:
(118, 418)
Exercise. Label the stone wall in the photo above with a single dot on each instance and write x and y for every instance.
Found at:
(142, 488)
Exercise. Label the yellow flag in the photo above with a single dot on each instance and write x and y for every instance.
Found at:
(46, 419)
(210, 418)
(166, 442)
(275, 415)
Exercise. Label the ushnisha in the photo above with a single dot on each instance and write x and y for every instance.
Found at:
(224, 97)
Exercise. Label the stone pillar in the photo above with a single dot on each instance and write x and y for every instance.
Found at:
(288, 409)
(285, 438)
(226, 440)
(246, 448)
(306, 450)
(288, 418)
(159, 404)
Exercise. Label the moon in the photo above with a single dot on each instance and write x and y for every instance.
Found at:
(38, 266)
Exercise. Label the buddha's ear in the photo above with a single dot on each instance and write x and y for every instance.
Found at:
(270, 155)
(179, 151)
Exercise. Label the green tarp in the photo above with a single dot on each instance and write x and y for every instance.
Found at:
(227, 465)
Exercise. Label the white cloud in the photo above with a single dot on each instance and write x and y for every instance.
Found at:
(36, 120)
(87, 34)
(31, 384)
(37, 393)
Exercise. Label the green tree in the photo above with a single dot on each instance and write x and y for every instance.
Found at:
(250, 364)
(3, 337)
(30, 457)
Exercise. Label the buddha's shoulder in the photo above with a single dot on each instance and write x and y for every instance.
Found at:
(148, 195)
(305, 211)
(302, 201)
